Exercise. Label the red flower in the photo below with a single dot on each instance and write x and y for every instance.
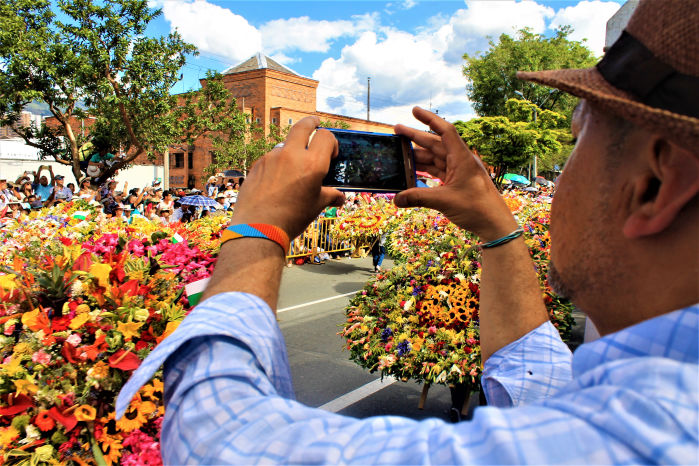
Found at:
(67, 419)
(44, 421)
(15, 404)
(124, 360)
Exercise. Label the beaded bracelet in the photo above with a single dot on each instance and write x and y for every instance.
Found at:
(505, 239)
(257, 230)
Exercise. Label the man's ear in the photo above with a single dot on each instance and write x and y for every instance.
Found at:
(670, 181)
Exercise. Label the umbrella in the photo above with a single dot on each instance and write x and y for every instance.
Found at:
(200, 201)
(516, 178)
(233, 173)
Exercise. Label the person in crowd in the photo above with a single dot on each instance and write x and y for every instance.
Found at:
(164, 215)
(71, 186)
(61, 193)
(167, 202)
(25, 191)
(86, 192)
(625, 253)
(177, 213)
(211, 189)
(378, 252)
(42, 187)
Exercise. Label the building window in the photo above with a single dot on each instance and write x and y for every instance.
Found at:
(191, 182)
(213, 157)
(274, 120)
(291, 121)
(178, 159)
(257, 120)
(247, 119)
(190, 160)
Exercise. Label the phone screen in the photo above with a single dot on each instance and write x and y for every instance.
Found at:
(371, 162)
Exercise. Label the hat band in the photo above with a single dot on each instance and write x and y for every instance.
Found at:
(630, 66)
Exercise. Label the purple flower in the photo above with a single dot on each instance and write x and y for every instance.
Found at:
(387, 332)
(404, 347)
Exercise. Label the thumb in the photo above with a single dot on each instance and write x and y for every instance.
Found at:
(417, 197)
(331, 197)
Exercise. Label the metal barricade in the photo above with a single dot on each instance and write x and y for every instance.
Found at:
(316, 239)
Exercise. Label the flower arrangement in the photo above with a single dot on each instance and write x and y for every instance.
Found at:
(363, 222)
(419, 320)
(82, 302)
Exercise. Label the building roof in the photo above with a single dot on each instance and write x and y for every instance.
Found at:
(259, 62)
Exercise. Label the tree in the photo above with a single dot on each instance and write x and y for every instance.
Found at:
(337, 124)
(508, 143)
(95, 67)
(492, 77)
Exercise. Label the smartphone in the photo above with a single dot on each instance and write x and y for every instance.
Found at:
(373, 162)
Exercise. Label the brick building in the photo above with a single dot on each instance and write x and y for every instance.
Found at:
(269, 93)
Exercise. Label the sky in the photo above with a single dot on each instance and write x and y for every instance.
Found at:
(412, 50)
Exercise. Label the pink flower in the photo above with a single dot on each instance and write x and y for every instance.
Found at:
(10, 329)
(41, 357)
(432, 330)
(74, 339)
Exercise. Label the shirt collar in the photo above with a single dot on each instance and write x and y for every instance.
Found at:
(672, 335)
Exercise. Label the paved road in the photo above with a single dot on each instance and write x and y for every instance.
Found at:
(311, 311)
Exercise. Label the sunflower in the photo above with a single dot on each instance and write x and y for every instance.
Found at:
(111, 447)
(131, 420)
(85, 413)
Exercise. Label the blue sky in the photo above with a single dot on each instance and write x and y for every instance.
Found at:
(411, 49)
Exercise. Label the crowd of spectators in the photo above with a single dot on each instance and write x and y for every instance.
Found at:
(42, 188)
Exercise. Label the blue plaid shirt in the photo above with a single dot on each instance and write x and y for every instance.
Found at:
(630, 397)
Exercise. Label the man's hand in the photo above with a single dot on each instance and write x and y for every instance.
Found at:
(468, 197)
(284, 187)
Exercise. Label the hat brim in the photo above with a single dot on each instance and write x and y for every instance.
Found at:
(590, 85)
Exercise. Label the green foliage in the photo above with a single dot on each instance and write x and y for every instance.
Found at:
(338, 124)
(492, 77)
(94, 53)
(241, 148)
(509, 143)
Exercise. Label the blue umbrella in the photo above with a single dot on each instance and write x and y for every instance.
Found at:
(516, 178)
(200, 201)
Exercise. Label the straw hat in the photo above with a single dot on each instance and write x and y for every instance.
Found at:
(650, 76)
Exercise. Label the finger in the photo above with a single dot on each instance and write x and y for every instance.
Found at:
(419, 137)
(331, 197)
(425, 157)
(439, 125)
(418, 197)
(323, 146)
(301, 131)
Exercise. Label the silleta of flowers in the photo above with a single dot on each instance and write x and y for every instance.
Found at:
(363, 222)
(419, 320)
(83, 300)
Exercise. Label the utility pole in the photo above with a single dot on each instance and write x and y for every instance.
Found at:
(368, 98)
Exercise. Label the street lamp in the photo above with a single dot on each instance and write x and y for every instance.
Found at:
(519, 93)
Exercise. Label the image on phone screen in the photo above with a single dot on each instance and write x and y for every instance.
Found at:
(371, 162)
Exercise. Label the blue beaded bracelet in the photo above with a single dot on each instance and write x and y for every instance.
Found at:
(505, 239)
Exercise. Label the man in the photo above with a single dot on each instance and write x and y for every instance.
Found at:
(61, 192)
(627, 253)
(41, 185)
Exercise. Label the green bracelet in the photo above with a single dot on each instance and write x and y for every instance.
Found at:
(505, 239)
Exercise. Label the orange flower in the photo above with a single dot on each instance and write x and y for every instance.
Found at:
(44, 422)
(85, 413)
(131, 420)
(99, 371)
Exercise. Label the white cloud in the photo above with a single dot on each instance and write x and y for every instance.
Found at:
(307, 35)
(589, 19)
(405, 70)
(213, 29)
(467, 30)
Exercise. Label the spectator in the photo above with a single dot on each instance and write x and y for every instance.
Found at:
(167, 201)
(25, 191)
(60, 192)
(211, 189)
(86, 192)
(165, 215)
(42, 187)
(177, 214)
(71, 186)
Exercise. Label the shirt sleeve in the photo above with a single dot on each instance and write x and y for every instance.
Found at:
(229, 400)
(529, 369)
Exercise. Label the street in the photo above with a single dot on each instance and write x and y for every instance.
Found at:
(311, 305)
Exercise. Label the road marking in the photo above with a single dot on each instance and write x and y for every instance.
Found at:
(360, 393)
(310, 303)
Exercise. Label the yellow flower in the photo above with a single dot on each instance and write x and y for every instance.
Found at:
(131, 420)
(7, 435)
(129, 329)
(25, 387)
(85, 413)
(22, 348)
(101, 272)
(99, 370)
(79, 320)
(82, 309)
(13, 367)
(7, 282)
